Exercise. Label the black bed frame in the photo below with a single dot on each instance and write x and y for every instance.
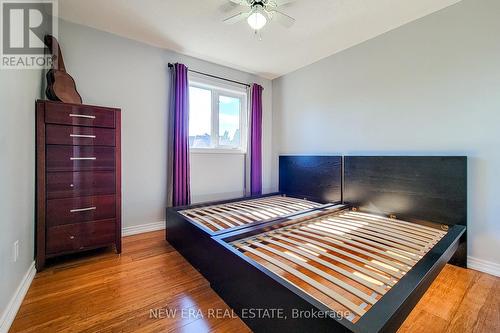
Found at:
(423, 190)
(195, 241)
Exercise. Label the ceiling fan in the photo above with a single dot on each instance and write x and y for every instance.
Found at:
(260, 12)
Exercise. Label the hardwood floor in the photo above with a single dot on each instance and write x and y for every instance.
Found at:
(133, 292)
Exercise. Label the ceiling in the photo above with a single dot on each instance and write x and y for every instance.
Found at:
(194, 28)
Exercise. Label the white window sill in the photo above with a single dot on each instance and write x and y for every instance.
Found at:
(216, 151)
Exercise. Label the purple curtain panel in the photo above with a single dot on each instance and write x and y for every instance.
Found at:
(180, 103)
(256, 141)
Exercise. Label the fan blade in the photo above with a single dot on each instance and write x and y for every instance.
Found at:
(237, 18)
(282, 2)
(283, 19)
(227, 7)
(231, 5)
(240, 2)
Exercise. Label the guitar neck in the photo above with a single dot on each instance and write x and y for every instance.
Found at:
(55, 49)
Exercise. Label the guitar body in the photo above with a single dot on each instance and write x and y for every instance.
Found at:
(60, 85)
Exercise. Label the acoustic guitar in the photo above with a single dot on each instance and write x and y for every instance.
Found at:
(60, 85)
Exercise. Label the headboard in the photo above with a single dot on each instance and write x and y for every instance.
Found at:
(411, 187)
(313, 177)
(415, 188)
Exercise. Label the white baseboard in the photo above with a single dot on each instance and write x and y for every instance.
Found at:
(10, 311)
(139, 229)
(483, 266)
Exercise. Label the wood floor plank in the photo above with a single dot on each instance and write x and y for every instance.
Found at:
(489, 316)
(447, 291)
(472, 314)
(421, 321)
(105, 292)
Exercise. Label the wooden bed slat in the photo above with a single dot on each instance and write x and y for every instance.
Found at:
(271, 205)
(379, 289)
(359, 244)
(255, 210)
(393, 228)
(220, 221)
(378, 276)
(327, 291)
(363, 237)
(215, 225)
(319, 272)
(278, 203)
(417, 245)
(266, 208)
(218, 215)
(298, 202)
(410, 225)
(393, 232)
(310, 237)
(245, 210)
(226, 210)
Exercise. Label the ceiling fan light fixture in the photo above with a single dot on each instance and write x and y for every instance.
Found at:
(257, 20)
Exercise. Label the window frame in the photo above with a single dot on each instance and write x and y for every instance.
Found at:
(217, 89)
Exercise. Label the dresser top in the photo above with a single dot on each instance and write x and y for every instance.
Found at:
(44, 101)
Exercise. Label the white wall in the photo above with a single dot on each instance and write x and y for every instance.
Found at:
(216, 176)
(18, 91)
(114, 71)
(431, 87)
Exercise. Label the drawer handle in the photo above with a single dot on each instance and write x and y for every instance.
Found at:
(82, 209)
(81, 116)
(71, 237)
(82, 158)
(82, 136)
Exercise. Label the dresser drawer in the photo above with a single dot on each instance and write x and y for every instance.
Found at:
(81, 209)
(80, 158)
(79, 136)
(80, 115)
(80, 184)
(75, 237)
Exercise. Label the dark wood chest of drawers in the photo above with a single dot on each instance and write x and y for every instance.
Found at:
(78, 194)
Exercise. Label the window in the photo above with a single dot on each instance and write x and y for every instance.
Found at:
(217, 117)
(200, 115)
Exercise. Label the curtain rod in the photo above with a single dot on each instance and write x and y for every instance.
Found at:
(214, 76)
